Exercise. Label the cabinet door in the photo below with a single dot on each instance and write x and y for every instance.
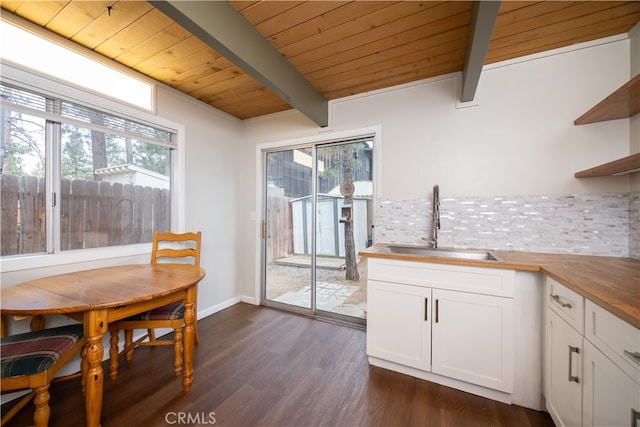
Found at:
(473, 338)
(398, 323)
(611, 398)
(563, 371)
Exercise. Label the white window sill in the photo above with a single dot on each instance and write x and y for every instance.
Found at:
(28, 262)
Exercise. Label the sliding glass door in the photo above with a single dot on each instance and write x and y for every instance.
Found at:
(317, 217)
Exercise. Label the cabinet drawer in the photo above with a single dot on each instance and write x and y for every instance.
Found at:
(478, 280)
(617, 339)
(568, 304)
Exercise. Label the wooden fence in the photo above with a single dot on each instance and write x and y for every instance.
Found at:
(279, 228)
(92, 214)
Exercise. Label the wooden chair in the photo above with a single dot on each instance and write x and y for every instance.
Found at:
(30, 361)
(168, 316)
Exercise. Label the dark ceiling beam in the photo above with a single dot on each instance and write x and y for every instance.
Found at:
(226, 31)
(483, 19)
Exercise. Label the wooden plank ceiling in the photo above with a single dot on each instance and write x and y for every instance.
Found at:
(341, 47)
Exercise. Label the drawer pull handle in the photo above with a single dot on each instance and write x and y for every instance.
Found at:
(426, 309)
(437, 311)
(575, 350)
(635, 356)
(556, 298)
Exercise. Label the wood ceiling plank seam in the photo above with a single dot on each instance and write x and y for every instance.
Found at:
(174, 54)
(326, 22)
(242, 4)
(229, 89)
(180, 70)
(190, 76)
(376, 22)
(209, 81)
(452, 40)
(105, 25)
(377, 33)
(511, 6)
(153, 45)
(76, 16)
(263, 10)
(564, 16)
(411, 76)
(363, 39)
(515, 17)
(11, 6)
(194, 59)
(200, 77)
(454, 58)
(566, 27)
(420, 35)
(259, 97)
(178, 73)
(40, 13)
(189, 82)
(297, 16)
(555, 41)
(432, 56)
(251, 96)
(135, 34)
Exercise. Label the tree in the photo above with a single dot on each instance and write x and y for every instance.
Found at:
(340, 161)
(75, 160)
(349, 241)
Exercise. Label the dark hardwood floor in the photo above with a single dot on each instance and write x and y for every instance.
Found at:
(259, 366)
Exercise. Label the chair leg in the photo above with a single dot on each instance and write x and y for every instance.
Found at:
(177, 350)
(152, 334)
(113, 355)
(41, 401)
(84, 366)
(195, 332)
(128, 343)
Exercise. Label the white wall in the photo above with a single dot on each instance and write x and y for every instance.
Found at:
(519, 140)
(212, 185)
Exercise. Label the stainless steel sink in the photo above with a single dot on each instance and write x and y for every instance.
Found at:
(441, 252)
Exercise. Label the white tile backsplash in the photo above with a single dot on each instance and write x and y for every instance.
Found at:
(594, 224)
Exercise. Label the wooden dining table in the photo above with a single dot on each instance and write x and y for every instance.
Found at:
(100, 296)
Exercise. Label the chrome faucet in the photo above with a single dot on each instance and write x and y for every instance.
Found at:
(435, 217)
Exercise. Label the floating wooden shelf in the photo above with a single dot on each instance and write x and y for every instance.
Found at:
(623, 103)
(629, 164)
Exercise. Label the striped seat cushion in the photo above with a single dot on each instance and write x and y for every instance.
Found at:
(34, 352)
(173, 311)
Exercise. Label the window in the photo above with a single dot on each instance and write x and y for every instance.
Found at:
(73, 177)
(35, 51)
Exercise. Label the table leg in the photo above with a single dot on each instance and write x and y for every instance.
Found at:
(189, 338)
(95, 327)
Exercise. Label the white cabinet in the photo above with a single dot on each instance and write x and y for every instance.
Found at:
(610, 397)
(400, 317)
(452, 321)
(563, 371)
(472, 338)
(591, 377)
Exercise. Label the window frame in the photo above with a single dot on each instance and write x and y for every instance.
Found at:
(18, 76)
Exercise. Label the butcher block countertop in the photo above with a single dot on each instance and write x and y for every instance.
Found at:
(612, 283)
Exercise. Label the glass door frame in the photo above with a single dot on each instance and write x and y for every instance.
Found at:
(373, 133)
